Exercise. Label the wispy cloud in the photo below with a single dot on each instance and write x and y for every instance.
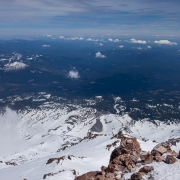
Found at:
(45, 45)
(132, 40)
(89, 17)
(99, 55)
(140, 48)
(166, 42)
(149, 47)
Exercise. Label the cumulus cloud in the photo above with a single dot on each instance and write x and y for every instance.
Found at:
(100, 44)
(14, 66)
(160, 42)
(115, 40)
(74, 74)
(149, 47)
(75, 38)
(99, 55)
(45, 45)
(61, 37)
(132, 40)
(90, 39)
(121, 46)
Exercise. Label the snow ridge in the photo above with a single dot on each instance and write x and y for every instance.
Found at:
(32, 136)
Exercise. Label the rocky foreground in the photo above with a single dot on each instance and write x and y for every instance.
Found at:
(129, 157)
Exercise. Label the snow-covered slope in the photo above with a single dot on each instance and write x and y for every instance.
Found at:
(29, 138)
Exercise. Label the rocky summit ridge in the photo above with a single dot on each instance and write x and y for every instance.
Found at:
(130, 158)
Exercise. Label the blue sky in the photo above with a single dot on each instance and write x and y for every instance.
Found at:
(85, 17)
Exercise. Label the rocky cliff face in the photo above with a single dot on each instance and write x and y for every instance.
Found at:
(129, 158)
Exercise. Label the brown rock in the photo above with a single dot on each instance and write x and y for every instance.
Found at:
(178, 155)
(88, 176)
(103, 168)
(146, 158)
(159, 158)
(155, 153)
(110, 175)
(127, 145)
(146, 169)
(162, 148)
(174, 153)
(170, 159)
(136, 176)
(126, 155)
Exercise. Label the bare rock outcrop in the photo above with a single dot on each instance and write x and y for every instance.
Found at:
(146, 158)
(124, 157)
(170, 159)
(128, 157)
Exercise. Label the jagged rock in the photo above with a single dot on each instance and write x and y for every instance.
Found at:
(55, 159)
(137, 176)
(110, 175)
(146, 169)
(170, 159)
(103, 168)
(128, 145)
(157, 156)
(174, 153)
(178, 155)
(146, 158)
(49, 174)
(88, 176)
(125, 155)
(11, 163)
(162, 148)
(124, 159)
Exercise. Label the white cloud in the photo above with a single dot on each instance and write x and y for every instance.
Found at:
(74, 74)
(61, 37)
(100, 44)
(81, 38)
(149, 47)
(132, 40)
(121, 46)
(89, 39)
(45, 45)
(139, 48)
(75, 38)
(14, 66)
(165, 42)
(49, 35)
(99, 55)
(116, 40)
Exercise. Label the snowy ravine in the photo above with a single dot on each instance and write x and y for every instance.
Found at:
(31, 137)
